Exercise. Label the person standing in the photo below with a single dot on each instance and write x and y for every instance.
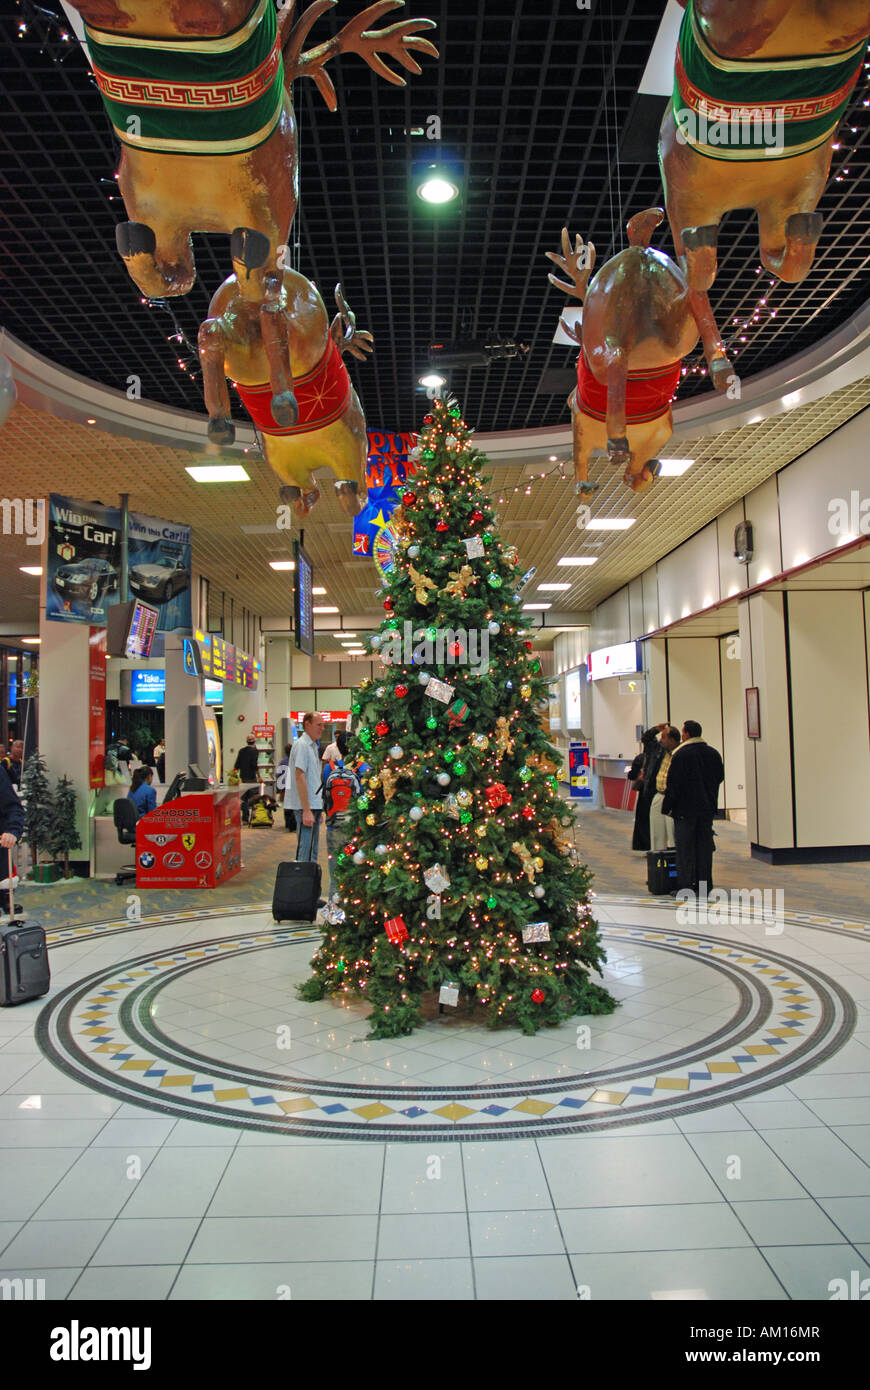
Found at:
(661, 827)
(281, 772)
(159, 756)
(13, 762)
(11, 830)
(652, 755)
(692, 794)
(304, 793)
(247, 759)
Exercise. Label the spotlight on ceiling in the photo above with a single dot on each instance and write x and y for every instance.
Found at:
(432, 381)
(436, 187)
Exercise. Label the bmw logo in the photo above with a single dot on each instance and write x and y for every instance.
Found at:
(147, 860)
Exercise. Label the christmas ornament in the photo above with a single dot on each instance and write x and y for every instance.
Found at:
(458, 768)
(476, 517)
(376, 639)
(494, 629)
(454, 651)
(492, 902)
(435, 879)
(374, 783)
(487, 536)
(523, 854)
(371, 818)
(451, 807)
(388, 780)
(413, 552)
(503, 741)
(428, 420)
(498, 795)
(439, 690)
(536, 931)
(443, 779)
(416, 813)
(424, 678)
(538, 996)
(481, 863)
(528, 812)
(539, 892)
(464, 797)
(455, 412)
(436, 496)
(428, 454)
(460, 582)
(508, 685)
(359, 857)
(480, 742)
(396, 930)
(494, 580)
(474, 548)
(365, 738)
(363, 803)
(422, 585)
(457, 714)
(449, 755)
(381, 850)
(480, 831)
(525, 774)
(396, 751)
(466, 817)
(430, 633)
(538, 863)
(388, 604)
(381, 691)
(511, 554)
(449, 994)
(356, 708)
(340, 965)
(382, 728)
(401, 691)
(431, 722)
(408, 499)
(526, 691)
(442, 526)
(535, 667)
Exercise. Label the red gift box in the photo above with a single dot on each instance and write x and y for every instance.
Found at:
(396, 930)
(498, 795)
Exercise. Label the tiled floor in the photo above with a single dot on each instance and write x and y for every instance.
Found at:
(750, 1181)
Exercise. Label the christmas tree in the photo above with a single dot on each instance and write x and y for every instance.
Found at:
(62, 833)
(38, 805)
(459, 873)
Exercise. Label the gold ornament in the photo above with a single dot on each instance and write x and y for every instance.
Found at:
(538, 863)
(525, 691)
(482, 862)
(480, 830)
(503, 741)
(371, 820)
(374, 783)
(388, 782)
(422, 585)
(511, 554)
(480, 742)
(464, 797)
(460, 581)
(528, 863)
(562, 838)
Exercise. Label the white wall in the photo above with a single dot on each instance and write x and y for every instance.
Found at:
(733, 577)
(762, 511)
(733, 706)
(615, 719)
(611, 623)
(695, 687)
(828, 661)
(689, 577)
(807, 486)
(768, 759)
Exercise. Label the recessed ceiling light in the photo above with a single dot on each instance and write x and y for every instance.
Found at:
(218, 473)
(342, 633)
(553, 458)
(577, 560)
(616, 523)
(318, 591)
(528, 607)
(432, 380)
(282, 564)
(30, 569)
(555, 587)
(91, 420)
(315, 609)
(436, 187)
(674, 468)
(32, 641)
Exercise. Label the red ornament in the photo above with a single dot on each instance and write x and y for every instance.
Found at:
(408, 499)
(401, 691)
(382, 728)
(442, 526)
(427, 419)
(455, 650)
(476, 516)
(528, 812)
(388, 604)
(396, 930)
(498, 795)
(538, 996)
(528, 646)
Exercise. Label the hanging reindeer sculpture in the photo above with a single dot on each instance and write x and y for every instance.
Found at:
(760, 87)
(285, 361)
(639, 320)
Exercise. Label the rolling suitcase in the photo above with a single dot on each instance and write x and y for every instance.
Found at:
(297, 892)
(24, 971)
(661, 871)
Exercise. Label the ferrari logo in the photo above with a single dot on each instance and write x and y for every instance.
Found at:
(188, 841)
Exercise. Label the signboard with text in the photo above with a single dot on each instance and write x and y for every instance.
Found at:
(96, 707)
(579, 775)
(194, 841)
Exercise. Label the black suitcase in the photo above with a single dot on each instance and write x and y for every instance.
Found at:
(24, 971)
(661, 871)
(297, 892)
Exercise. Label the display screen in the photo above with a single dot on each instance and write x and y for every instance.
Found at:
(221, 661)
(573, 710)
(621, 660)
(303, 613)
(214, 693)
(13, 690)
(140, 633)
(147, 687)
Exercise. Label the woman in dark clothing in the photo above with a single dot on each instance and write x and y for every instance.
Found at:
(652, 756)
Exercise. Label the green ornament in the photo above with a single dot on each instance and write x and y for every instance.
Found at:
(458, 768)
(466, 817)
(428, 453)
(431, 633)
(431, 723)
(494, 580)
(363, 803)
(487, 537)
(365, 738)
(554, 783)
(492, 903)
(455, 412)
(535, 667)
(449, 755)
(341, 858)
(392, 622)
(525, 774)
(341, 966)
(356, 709)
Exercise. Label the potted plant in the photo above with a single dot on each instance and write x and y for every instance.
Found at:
(38, 814)
(62, 833)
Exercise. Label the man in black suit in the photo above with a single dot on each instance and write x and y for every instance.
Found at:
(691, 797)
(11, 828)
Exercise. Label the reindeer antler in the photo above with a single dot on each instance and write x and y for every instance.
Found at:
(395, 41)
(577, 263)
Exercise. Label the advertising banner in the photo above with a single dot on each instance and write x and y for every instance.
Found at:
(194, 841)
(159, 568)
(84, 564)
(96, 706)
(388, 468)
(579, 779)
(84, 554)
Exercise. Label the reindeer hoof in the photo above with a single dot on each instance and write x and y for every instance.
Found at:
(221, 431)
(804, 227)
(585, 488)
(722, 374)
(250, 248)
(654, 468)
(619, 452)
(285, 409)
(134, 239)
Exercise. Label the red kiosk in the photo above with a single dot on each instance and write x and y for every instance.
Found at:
(192, 841)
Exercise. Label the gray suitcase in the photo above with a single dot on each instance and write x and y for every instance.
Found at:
(24, 969)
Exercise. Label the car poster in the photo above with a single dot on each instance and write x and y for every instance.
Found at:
(84, 564)
(84, 551)
(159, 568)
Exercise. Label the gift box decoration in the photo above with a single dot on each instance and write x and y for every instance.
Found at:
(536, 931)
(396, 930)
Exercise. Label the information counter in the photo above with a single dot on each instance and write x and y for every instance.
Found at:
(193, 841)
(615, 786)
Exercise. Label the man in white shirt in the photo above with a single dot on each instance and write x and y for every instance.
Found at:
(304, 793)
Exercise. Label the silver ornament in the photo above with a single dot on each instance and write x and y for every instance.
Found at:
(396, 751)
(413, 552)
(359, 857)
(443, 779)
(416, 813)
(494, 629)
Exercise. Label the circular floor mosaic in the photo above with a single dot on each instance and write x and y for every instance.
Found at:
(212, 1031)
